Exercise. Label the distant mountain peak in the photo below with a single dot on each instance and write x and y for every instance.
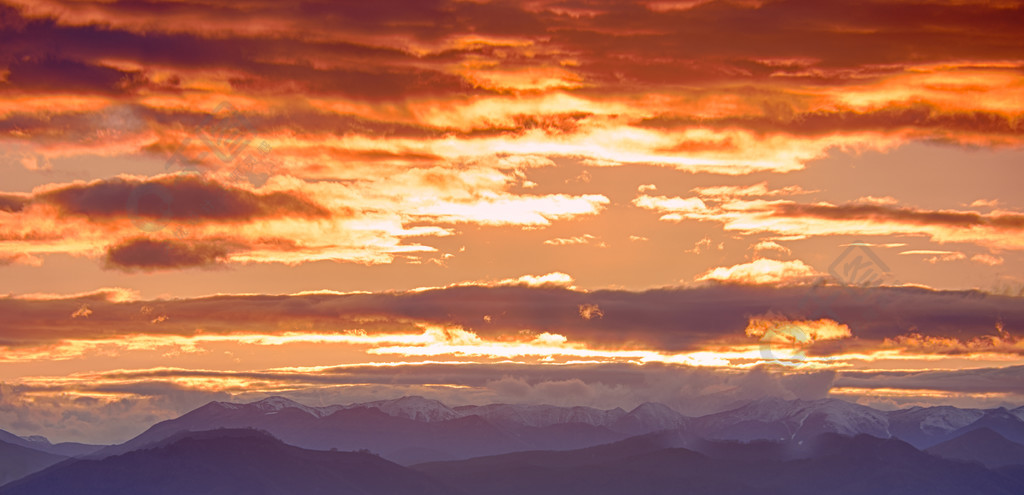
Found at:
(221, 405)
(413, 407)
(987, 434)
(653, 406)
(542, 415)
(413, 398)
(38, 439)
(277, 403)
(982, 445)
(217, 434)
(655, 409)
(650, 416)
(774, 418)
(227, 460)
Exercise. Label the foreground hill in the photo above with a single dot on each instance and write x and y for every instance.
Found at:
(818, 450)
(227, 462)
(17, 461)
(829, 463)
(983, 446)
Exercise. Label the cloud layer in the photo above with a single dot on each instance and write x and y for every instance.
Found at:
(599, 202)
(711, 346)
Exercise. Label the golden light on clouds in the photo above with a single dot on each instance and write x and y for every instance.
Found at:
(478, 195)
(808, 331)
(763, 271)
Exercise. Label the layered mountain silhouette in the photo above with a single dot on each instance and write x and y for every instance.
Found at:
(926, 426)
(983, 446)
(407, 430)
(17, 461)
(828, 463)
(778, 419)
(998, 420)
(66, 449)
(413, 429)
(227, 461)
(792, 446)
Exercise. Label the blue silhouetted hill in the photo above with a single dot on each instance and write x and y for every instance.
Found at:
(656, 464)
(42, 444)
(17, 461)
(234, 461)
(983, 446)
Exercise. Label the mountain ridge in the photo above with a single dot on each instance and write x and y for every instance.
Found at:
(227, 461)
(829, 463)
(415, 429)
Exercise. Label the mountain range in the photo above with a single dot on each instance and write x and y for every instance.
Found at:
(411, 430)
(227, 461)
(789, 446)
(829, 463)
(35, 442)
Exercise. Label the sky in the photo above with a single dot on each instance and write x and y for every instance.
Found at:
(601, 203)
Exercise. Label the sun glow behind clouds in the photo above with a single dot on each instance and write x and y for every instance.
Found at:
(456, 344)
(467, 147)
(433, 341)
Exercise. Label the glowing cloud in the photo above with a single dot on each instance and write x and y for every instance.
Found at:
(763, 271)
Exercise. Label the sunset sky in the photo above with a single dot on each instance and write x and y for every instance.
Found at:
(601, 203)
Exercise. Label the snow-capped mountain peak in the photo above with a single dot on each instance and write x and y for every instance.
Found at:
(412, 407)
(275, 404)
(38, 439)
(845, 418)
(542, 415)
(776, 418)
(658, 413)
(936, 420)
(649, 417)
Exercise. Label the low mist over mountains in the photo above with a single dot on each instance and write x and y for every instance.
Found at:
(414, 429)
(419, 445)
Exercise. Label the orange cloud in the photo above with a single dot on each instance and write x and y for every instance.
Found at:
(999, 342)
(569, 241)
(811, 330)
(590, 311)
(763, 271)
(996, 230)
(987, 259)
(522, 210)
(390, 132)
(192, 220)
